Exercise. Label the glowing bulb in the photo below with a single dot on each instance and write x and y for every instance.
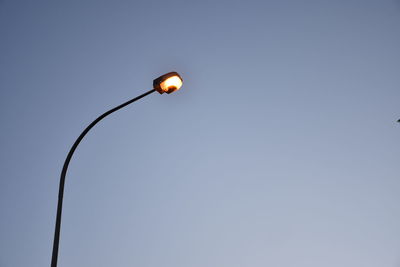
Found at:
(171, 84)
(168, 83)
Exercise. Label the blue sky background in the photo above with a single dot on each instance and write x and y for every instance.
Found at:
(282, 148)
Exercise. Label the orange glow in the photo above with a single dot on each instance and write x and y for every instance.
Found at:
(171, 84)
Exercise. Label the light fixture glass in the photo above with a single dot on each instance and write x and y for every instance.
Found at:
(168, 83)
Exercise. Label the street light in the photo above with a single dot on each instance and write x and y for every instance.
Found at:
(166, 83)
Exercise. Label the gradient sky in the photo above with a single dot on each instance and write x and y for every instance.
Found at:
(281, 149)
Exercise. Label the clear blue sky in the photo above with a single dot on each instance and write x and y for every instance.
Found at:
(281, 149)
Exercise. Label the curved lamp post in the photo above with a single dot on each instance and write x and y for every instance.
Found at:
(166, 83)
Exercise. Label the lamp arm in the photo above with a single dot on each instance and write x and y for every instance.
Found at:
(64, 172)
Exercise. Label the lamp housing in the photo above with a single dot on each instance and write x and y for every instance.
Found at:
(168, 83)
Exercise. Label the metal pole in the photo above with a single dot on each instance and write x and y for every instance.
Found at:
(64, 172)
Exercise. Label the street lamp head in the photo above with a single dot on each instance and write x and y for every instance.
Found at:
(168, 83)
